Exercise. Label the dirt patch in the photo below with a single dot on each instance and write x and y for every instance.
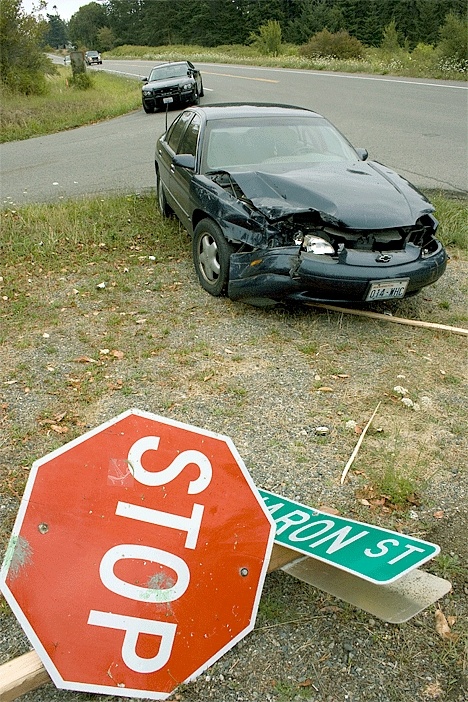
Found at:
(152, 339)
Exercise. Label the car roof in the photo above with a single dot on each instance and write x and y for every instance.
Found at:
(232, 110)
(172, 63)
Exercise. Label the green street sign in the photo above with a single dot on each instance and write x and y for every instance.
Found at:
(378, 555)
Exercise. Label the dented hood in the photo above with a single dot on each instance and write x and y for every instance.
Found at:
(361, 195)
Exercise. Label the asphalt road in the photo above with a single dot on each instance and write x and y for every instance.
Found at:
(416, 126)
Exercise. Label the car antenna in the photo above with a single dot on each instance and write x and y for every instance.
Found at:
(166, 102)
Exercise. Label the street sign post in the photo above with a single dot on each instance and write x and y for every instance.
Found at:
(369, 552)
(138, 556)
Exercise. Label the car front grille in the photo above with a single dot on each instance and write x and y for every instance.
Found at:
(166, 92)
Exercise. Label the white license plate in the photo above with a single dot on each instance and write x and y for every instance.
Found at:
(387, 289)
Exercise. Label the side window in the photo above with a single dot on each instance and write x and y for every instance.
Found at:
(188, 143)
(177, 129)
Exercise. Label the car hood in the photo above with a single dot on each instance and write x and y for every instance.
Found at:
(169, 82)
(361, 195)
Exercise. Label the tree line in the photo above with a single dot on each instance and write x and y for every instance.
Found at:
(213, 23)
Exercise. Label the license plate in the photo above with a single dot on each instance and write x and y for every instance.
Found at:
(387, 289)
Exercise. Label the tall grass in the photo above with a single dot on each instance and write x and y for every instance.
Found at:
(423, 61)
(66, 107)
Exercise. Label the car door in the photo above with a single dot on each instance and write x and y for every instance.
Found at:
(167, 148)
(181, 177)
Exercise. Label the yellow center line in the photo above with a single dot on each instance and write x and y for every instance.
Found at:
(230, 75)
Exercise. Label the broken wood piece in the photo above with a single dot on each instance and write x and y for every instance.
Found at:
(390, 318)
(21, 675)
(356, 448)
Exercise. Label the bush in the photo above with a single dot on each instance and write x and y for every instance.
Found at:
(340, 45)
(268, 41)
(81, 81)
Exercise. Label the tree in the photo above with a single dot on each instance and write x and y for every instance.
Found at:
(85, 24)
(57, 32)
(390, 42)
(105, 39)
(23, 65)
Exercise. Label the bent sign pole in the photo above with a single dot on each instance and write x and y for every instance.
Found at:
(140, 549)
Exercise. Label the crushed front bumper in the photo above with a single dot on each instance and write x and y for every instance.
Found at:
(288, 273)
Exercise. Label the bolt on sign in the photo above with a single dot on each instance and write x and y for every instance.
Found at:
(372, 553)
(138, 556)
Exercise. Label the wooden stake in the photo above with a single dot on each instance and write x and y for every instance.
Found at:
(356, 448)
(390, 318)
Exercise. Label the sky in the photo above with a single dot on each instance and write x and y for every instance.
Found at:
(65, 8)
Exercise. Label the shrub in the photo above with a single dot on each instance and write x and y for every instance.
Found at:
(81, 81)
(454, 39)
(340, 45)
(268, 41)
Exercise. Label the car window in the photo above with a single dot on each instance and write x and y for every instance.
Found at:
(165, 72)
(251, 142)
(188, 143)
(177, 130)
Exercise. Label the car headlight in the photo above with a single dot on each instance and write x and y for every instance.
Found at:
(146, 93)
(315, 244)
(187, 86)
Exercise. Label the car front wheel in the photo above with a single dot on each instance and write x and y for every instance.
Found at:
(148, 108)
(211, 254)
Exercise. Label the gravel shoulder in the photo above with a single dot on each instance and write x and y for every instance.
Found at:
(151, 339)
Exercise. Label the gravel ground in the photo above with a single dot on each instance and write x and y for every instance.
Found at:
(268, 379)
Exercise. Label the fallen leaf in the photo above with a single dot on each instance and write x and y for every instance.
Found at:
(305, 683)
(84, 359)
(324, 388)
(442, 626)
(59, 429)
(439, 514)
(117, 354)
(433, 690)
(330, 510)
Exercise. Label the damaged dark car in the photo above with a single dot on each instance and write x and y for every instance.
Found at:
(281, 207)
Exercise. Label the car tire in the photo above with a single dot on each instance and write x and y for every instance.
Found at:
(202, 92)
(164, 208)
(211, 255)
(149, 109)
(196, 97)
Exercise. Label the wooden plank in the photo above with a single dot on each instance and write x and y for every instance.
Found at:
(390, 318)
(21, 675)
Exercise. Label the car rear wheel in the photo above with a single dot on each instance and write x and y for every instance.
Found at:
(148, 108)
(211, 254)
(162, 202)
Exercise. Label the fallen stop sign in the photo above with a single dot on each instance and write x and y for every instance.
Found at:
(138, 556)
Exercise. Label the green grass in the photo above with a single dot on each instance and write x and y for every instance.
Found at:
(65, 107)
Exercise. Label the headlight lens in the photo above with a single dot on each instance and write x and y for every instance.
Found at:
(187, 86)
(315, 244)
(146, 92)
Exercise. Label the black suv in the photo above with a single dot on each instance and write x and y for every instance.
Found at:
(178, 81)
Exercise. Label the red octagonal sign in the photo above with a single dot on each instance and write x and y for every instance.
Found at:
(138, 556)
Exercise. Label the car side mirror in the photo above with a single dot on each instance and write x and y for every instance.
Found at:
(362, 153)
(144, 80)
(184, 161)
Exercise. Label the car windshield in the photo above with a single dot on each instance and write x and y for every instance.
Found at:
(92, 53)
(272, 143)
(164, 72)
